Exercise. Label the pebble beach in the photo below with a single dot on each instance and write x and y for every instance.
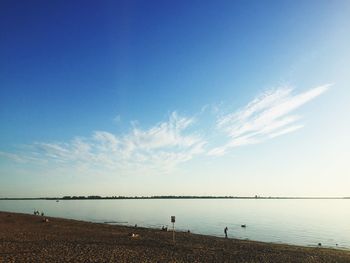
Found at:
(30, 238)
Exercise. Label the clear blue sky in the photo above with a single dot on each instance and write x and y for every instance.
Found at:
(184, 97)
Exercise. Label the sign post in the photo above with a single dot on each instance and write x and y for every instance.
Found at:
(173, 221)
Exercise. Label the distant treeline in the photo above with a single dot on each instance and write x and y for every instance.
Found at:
(96, 197)
(149, 197)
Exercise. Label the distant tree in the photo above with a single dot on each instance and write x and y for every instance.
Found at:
(94, 197)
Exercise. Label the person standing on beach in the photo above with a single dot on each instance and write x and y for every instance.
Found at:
(225, 231)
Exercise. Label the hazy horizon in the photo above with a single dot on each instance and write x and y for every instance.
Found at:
(116, 197)
(162, 98)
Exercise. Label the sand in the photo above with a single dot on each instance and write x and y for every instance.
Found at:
(26, 238)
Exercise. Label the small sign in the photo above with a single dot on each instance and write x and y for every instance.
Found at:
(172, 219)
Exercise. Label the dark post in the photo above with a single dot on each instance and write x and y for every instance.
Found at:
(173, 221)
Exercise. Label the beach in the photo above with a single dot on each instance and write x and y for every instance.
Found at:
(29, 238)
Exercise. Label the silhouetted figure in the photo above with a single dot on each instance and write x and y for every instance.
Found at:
(135, 225)
(225, 231)
(42, 213)
(243, 226)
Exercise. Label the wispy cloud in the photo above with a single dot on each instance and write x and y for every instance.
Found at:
(267, 116)
(163, 146)
(160, 148)
(12, 156)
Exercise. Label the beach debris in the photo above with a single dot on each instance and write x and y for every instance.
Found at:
(243, 226)
(134, 235)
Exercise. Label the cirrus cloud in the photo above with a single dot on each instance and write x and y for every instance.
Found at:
(267, 116)
(162, 147)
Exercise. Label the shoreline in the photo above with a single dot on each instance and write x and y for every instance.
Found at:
(28, 238)
(179, 230)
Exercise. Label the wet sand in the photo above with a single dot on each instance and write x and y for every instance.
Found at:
(26, 238)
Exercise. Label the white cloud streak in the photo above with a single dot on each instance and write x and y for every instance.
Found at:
(267, 116)
(158, 149)
(165, 145)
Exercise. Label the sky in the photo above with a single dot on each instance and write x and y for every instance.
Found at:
(236, 98)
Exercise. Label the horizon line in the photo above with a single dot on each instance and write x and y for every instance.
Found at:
(96, 197)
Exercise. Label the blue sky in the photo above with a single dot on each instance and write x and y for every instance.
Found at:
(163, 97)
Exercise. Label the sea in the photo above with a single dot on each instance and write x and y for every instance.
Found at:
(306, 222)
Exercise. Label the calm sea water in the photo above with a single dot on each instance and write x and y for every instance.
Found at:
(300, 222)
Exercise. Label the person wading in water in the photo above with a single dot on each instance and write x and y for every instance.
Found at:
(225, 231)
